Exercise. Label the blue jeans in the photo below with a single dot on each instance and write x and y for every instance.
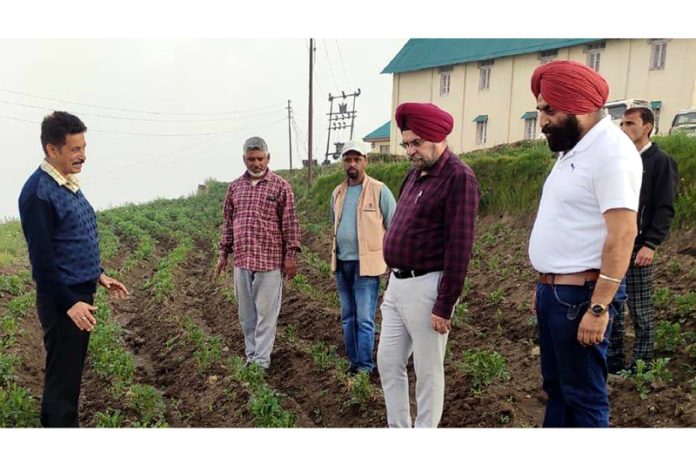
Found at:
(575, 377)
(358, 296)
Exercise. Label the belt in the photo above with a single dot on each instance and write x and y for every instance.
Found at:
(404, 274)
(570, 279)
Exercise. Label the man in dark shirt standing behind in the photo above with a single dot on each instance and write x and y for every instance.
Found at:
(428, 247)
(61, 232)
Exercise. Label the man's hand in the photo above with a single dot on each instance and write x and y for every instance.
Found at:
(289, 269)
(113, 285)
(644, 257)
(592, 328)
(81, 314)
(533, 308)
(221, 265)
(441, 325)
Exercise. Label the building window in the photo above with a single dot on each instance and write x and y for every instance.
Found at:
(530, 124)
(444, 83)
(658, 54)
(481, 128)
(485, 74)
(594, 53)
(530, 128)
(548, 55)
(383, 149)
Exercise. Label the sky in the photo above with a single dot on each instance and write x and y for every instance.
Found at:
(163, 115)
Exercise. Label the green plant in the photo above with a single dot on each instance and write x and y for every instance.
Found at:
(661, 297)
(360, 388)
(460, 314)
(496, 297)
(148, 404)
(290, 333)
(322, 354)
(668, 337)
(8, 362)
(109, 419)
(645, 377)
(267, 411)
(483, 367)
(18, 409)
(686, 304)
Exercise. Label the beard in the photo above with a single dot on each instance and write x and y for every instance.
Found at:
(565, 137)
(352, 174)
(256, 174)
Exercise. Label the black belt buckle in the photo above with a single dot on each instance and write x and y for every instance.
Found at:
(404, 274)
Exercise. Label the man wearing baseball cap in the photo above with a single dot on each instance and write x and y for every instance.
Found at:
(361, 211)
(428, 247)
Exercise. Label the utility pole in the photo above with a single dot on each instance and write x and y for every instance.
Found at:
(289, 133)
(309, 123)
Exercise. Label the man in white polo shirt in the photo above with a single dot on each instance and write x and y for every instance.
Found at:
(581, 241)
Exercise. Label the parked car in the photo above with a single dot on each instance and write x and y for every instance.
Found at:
(685, 121)
(616, 108)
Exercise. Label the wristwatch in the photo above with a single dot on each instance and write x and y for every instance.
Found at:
(598, 309)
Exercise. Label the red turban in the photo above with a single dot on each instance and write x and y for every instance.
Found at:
(425, 119)
(570, 87)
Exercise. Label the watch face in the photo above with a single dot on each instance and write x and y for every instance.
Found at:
(597, 310)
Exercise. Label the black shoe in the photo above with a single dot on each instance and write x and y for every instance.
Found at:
(615, 365)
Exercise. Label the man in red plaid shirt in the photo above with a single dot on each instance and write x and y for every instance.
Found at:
(261, 229)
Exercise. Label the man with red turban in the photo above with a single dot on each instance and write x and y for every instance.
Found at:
(427, 247)
(581, 241)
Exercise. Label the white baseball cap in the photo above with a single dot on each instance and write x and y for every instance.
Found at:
(354, 146)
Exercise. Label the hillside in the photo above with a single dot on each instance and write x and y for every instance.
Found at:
(170, 354)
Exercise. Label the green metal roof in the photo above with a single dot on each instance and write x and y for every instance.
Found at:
(381, 132)
(530, 115)
(480, 118)
(419, 54)
(655, 104)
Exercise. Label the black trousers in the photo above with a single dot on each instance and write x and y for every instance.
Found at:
(66, 350)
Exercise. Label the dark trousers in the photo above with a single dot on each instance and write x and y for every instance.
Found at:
(575, 377)
(66, 349)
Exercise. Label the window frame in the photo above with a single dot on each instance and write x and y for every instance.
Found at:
(658, 54)
(481, 132)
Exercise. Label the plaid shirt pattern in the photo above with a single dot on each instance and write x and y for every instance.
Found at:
(259, 223)
(433, 226)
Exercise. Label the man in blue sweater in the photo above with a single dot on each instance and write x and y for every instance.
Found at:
(60, 227)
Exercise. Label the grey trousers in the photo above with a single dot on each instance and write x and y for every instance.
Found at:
(259, 294)
(407, 329)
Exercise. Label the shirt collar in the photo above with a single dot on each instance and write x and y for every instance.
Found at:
(645, 148)
(70, 181)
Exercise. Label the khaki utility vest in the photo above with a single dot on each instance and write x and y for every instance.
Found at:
(370, 226)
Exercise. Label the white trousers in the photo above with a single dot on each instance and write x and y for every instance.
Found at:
(407, 329)
(259, 294)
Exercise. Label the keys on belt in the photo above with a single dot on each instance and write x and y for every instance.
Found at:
(404, 274)
(569, 279)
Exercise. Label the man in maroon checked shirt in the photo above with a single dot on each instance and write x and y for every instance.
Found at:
(261, 229)
(427, 246)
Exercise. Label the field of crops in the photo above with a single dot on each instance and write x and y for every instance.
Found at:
(171, 355)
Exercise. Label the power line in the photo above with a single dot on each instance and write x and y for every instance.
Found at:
(172, 160)
(340, 55)
(126, 118)
(127, 133)
(326, 52)
(131, 110)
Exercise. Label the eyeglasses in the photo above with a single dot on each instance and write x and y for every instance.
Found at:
(415, 143)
